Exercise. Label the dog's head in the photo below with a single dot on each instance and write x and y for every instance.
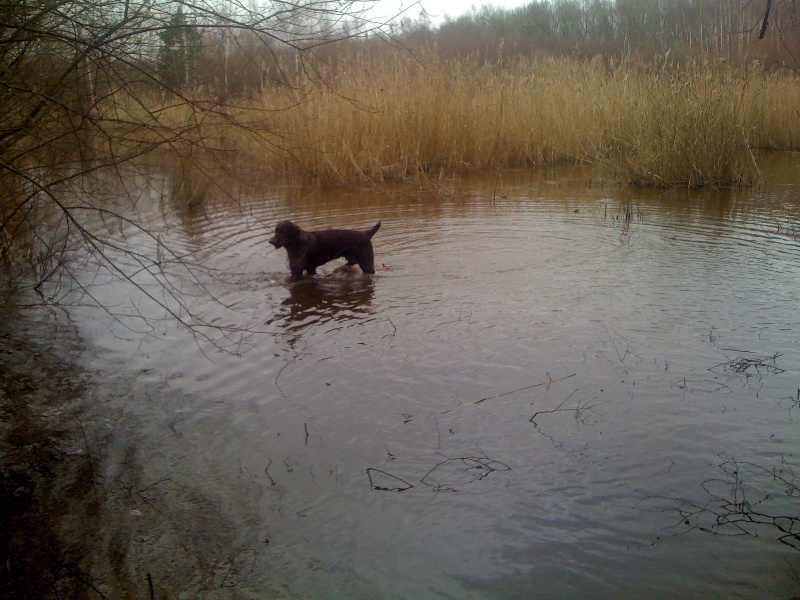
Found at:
(285, 232)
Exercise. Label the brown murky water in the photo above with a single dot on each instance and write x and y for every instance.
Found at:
(542, 374)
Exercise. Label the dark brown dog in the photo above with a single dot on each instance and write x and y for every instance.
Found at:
(308, 250)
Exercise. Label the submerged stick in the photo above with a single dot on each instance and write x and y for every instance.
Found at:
(386, 488)
(266, 472)
(549, 381)
(527, 387)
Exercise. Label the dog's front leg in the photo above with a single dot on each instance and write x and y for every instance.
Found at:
(297, 271)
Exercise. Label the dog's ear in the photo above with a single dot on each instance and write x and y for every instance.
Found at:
(290, 229)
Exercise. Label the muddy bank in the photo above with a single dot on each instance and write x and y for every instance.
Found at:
(83, 511)
(48, 502)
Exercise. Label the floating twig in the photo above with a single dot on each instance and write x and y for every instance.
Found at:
(474, 468)
(549, 381)
(266, 472)
(741, 365)
(387, 487)
(583, 405)
(745, 500)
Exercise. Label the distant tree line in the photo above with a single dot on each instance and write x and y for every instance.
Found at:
(612, 27)
(233, 61)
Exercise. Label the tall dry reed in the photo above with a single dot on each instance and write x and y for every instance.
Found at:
(670, 127)
(396, 116)
(771, 110)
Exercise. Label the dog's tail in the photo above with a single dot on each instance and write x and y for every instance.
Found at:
(374, 230)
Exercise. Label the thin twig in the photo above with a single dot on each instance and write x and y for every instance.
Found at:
(549, 381)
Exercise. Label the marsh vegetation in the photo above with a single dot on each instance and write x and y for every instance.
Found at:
(680, 93)
(146, 148)
(695, 123)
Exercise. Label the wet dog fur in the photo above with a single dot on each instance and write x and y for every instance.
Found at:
(308, 250)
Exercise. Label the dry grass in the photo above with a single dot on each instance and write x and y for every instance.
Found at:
(396, 116)
(682, 127)
(771, 111)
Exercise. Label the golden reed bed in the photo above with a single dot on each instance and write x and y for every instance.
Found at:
(397, 116)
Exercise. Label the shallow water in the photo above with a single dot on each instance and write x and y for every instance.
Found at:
(544, 370)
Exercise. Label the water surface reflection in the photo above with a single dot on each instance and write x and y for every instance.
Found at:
(339, 298)
(607, 313)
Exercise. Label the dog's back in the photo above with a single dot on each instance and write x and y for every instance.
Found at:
(355, 246)
(345, 237)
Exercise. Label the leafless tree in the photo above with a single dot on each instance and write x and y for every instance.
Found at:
(77, 83)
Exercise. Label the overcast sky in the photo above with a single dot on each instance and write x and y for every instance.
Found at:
(437, 9)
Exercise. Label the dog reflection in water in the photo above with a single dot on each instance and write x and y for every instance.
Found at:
(308, 250)
(335, 299)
